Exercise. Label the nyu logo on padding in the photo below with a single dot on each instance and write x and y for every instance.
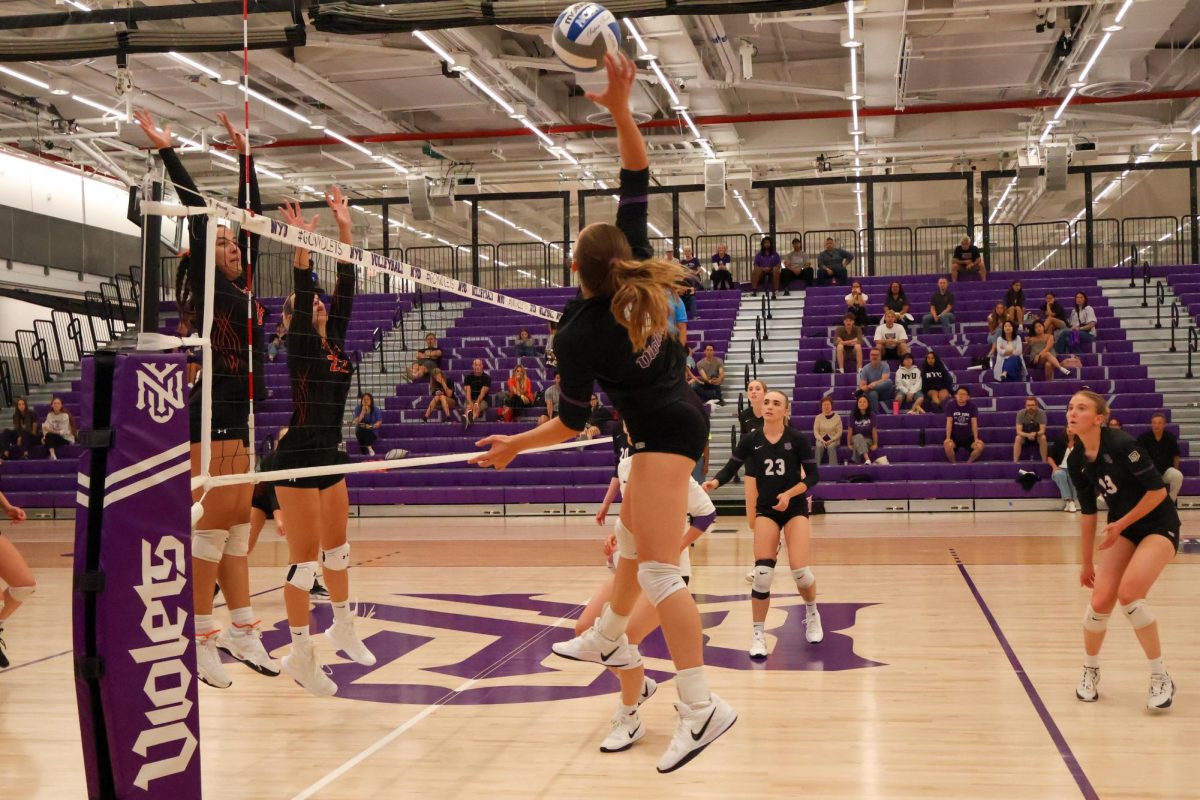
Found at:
(520, 650)
(160, 390)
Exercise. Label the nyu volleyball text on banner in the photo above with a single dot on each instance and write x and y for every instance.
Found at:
(372, 262)
(133, 625)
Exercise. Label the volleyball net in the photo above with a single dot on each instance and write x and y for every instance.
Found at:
(426, 387)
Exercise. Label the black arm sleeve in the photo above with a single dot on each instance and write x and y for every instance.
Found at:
(740, 454)
(632, 211)
(342, 303)
(807, 458)
(302, 336)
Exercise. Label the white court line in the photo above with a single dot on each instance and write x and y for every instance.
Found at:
(399, 731)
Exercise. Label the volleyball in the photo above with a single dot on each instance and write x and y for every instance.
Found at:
(583, 33)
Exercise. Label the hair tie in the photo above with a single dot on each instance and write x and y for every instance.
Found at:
(612, 262)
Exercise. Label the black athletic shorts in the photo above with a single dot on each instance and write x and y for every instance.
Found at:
(680, 427)
(797, 508)
(264, 498)
(1138, 531)
(230, 411)
(962, 442)
(301, 448)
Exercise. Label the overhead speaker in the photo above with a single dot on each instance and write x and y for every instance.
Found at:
(1056, 167)
(714, 184)
(418, 198)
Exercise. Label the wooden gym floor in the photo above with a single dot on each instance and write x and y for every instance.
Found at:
(948, 670)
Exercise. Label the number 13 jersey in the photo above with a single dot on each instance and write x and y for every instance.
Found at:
(1123, 472)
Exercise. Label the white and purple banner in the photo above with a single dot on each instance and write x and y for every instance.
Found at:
(132, 613)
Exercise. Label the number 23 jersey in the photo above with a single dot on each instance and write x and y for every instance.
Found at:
(775, 467)
(1123, 472)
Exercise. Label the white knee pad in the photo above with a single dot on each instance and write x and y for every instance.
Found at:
(626, 546)
(209, 545)
(1138, 614)
(21, 593)
(803, 577)
(303, 574)
(764, 573)
(659, 581)
(336, 558)
(238, 543)
(1094, 621)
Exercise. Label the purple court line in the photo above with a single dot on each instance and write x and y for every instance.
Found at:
(1060, 741)
(68, 652)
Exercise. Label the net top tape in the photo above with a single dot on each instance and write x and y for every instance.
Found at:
(279, 231)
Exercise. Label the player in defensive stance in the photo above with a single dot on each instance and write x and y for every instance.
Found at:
(221, 537)
(316, 509)
(1140, 539)
(636, 688)
(616, 333)
(777, 501)
(14, 572)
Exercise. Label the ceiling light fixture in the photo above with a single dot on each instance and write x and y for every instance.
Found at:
(852, 92)
(23, 77)
(98, 106)
(1095, 55)
(335, 135)
(182, 59)
(489, 91)
(1124, 10)
(1109, 23)
(435, 47)
(643, 52)
(59, 86)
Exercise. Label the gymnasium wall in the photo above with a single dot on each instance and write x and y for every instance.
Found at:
(53, 216)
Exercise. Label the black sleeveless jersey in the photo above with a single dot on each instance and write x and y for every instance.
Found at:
(319, 368)
(1123, 472)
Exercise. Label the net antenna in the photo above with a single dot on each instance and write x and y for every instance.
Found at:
(249, 255)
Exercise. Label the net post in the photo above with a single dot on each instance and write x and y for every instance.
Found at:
(151, 261)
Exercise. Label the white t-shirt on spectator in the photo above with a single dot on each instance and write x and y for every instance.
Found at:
(896, 333)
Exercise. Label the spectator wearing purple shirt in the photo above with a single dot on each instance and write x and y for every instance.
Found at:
(766, 262)
(962, 427)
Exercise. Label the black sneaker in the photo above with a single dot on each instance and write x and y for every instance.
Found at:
(318, 593)
(3, 656)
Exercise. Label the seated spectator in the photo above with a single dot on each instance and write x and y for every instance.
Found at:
(692, 283)
(367, 423)
(551, 358)
(941, 309)
(862, 437)
(908, 385)
(417, 371)
(23, 434)
(1052, 314)
(875, 381)
(525, 345)
(1057, 459)
(897, 301)
(856, 304)
(962, 427)
(848, 339)
(1040, 347)
(1031, 429)
(967, 258)
(518, 392)
(1010, 364)
(553, 397)
(994, 322)
(677, 318)
(766, 265)
(598, 421)
(1163, 448)
(431, 355)
(1014, 303)
(935, 381)
(796, 268)
(278, 343)
(476, 388)
(831, 265)
(710, 372)
(1081, 327)
(722, 278)
(827, 433)
(689, 369)
(891, 337)
(441, 394)
(58, 429)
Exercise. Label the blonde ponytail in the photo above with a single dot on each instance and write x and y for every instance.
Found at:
(641, 292)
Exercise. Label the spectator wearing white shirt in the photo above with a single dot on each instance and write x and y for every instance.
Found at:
(1010, 364)
(909, 384)
(1081, 327)
(891, 337)
(856, 303)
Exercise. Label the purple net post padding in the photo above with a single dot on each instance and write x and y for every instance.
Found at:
(143, 617)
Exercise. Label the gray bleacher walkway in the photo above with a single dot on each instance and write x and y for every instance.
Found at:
(778, 370)
(1167, 369)
(397, 356)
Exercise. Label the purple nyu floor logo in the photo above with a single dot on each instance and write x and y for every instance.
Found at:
(522, 649)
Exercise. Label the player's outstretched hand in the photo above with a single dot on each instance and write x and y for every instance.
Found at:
(161, 139)
(621, 74)
(235, 136)
(500, 454)
(293, 214)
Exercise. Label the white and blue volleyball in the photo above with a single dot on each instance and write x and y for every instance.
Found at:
(583, 33)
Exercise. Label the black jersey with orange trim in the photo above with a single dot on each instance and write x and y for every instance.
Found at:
(230, 298)
(318, 366)
(592, 347)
